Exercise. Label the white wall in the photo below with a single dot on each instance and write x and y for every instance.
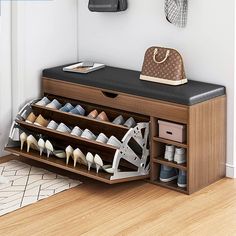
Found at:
(44, 35)
(234, 144)
(5, 72)
(207, 44)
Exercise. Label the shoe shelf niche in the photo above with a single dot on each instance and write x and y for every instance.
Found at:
(158, 151)
(127, 168)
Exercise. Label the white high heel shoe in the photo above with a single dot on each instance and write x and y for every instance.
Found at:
(23, 138)
(50, 150)
(90, 160)
(32, 142)
(69, 153)
(79, 157)
(99, 164)
(41, 144)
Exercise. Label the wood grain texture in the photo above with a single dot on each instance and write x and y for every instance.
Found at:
(79, 169)
(170, 142)
(140, 105)
(155, 170)
(207, 143)
(136, 208)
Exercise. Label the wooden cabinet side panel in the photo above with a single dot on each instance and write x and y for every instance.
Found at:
(218, 169)
(207, 143)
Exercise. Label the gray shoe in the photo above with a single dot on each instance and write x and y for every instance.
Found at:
(130, 123)
(168, 174)
(182, 179)
(43, 102)
(67, 108)
(119, 120)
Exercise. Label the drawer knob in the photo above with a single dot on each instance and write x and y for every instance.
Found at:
(109, 95)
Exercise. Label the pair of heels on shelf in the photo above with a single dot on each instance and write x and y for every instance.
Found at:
(45, 102)
(101, 138)
(58, 127)
(77, 110)
(130, 123)
(102, 116)
(40, 146)
(36, 120)
(77, 155)
(98, 163)
(89, 160)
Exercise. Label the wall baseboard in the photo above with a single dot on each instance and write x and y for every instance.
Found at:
(231, 171)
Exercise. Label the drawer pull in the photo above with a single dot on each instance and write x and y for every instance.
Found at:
(168, 132)
(109, 95)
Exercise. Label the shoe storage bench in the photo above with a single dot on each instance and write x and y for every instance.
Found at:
(199, 108)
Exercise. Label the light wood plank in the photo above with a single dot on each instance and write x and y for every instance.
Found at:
(136, 208)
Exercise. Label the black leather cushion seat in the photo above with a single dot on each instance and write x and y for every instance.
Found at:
(127, 81)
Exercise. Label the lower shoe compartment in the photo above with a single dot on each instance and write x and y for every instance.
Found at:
(129, 162)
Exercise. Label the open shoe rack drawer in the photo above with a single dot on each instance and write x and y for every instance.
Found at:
(127, 164)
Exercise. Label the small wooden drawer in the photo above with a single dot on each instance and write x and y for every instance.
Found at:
(172, 131)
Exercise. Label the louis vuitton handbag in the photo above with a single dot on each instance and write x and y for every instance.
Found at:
(163, 65)
(107, 5)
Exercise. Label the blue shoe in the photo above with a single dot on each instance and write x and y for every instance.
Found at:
(168, 174)
(54, 105)
(78, 110)
(67, 108)
(182, 179)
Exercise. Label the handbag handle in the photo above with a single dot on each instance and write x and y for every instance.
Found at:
(160, 62)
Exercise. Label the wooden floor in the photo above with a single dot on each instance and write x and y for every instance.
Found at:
(136, 208)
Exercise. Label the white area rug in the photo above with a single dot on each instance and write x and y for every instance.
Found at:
(28, 184)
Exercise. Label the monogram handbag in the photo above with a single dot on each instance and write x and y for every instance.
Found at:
(163, 65)
(107, 5)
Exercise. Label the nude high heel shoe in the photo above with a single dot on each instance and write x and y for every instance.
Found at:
(69, 153)
(40, 121)
(41, 144)
(90, 160)
(93, 114)
(23, 138)
(79, 157)
(31, 118)
(32, 142)
(102, 116)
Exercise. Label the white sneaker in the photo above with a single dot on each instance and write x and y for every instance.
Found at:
(169, 152)
(180, 157)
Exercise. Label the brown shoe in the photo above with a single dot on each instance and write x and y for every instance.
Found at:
(93, 114)
(102, 116)
(31, 118)
(40, 121)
